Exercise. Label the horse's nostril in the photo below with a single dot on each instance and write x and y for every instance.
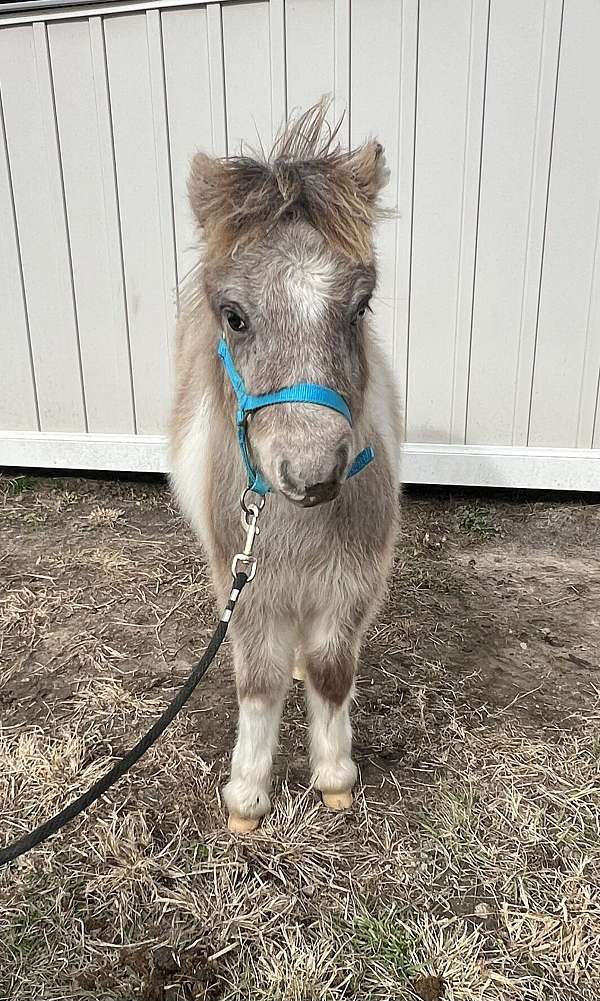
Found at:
(304, 487)
(319, 493)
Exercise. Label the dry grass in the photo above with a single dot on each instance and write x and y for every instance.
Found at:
(327, 906)
(469, 868)
(105, 516)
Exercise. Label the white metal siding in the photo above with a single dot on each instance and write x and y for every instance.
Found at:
(489, 296)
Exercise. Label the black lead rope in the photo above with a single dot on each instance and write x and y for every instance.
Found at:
(50, 827)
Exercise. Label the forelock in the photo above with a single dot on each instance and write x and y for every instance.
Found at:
(306, 176)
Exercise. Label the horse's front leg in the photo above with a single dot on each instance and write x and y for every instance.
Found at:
(263, 662)
(330, 671)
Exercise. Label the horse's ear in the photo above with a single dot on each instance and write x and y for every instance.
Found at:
(368, 170)
(203, 186)
(233, 200)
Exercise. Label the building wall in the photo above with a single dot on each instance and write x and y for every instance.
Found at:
(489, 296)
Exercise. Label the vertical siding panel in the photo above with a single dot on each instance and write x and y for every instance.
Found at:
(590, 374)
(100, 312)
(571, 228)
(590, 390)
(248, 95)
(163, 163)
(18, 404)
(513, 187)
(405, 192)
(112, 218)
(310, 41)
(377, 63)
(445, 200)
(39, 208)
(596, 438)
(216, 71)
(469, 221)
(536, 222)
(185, 39)
(341, 68)
(278, 68)
(66, 288)
(148, 287)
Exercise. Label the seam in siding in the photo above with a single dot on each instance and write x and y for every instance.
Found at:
(119, 225)
(588, 336)
(349, 79)
(167, 241)
(412, 219)
(485, 78)
(397, 198)
(539, 298)
(285, 61)
(216, 80)
(92, 21)
(277, 82)
(341, 85)
(271, 79)
(211, 103)
(526, 265)
(19, 262)
(67, 229)
(224, 79)
(169, 156)
(461, 234)
(596, 411)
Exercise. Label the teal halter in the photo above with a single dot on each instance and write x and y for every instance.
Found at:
(303, 392)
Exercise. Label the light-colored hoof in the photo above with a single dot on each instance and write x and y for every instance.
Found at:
(242, 825)
(299, 672)
(338, 800)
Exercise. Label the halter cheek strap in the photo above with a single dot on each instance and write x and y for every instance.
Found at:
(303, 392)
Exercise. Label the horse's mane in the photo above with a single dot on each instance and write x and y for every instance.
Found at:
(307, 174)
(309, 137)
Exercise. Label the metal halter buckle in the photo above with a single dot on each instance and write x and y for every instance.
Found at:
(245, 562)
(246, 508)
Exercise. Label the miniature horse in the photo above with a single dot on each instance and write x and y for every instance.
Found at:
(285, 282)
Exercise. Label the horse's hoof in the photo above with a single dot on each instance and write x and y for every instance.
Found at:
(299, 672)
(338, 800)
(242, 825)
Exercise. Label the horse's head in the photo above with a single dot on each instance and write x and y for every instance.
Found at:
(289, 272)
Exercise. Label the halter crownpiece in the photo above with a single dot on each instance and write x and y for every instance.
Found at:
(302, 392)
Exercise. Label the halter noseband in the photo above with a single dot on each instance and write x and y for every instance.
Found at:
(302, 392)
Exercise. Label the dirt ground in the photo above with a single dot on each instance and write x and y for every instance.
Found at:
(469, 867)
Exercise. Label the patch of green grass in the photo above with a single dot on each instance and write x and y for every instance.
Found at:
(198, 852)
(476, 520)
(17, 485)
(380, 939)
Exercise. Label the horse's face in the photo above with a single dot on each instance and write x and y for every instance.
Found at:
(293, 310)
(288, 272)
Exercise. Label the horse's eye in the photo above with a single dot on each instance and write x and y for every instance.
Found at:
(235, 321)
(362, 309)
